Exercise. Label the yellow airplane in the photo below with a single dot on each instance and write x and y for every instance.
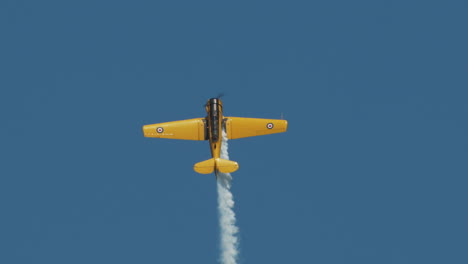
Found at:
(210, 128)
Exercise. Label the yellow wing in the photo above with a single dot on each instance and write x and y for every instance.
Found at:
(190, 129)
(240, 127)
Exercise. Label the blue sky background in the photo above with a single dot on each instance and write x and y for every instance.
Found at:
(373, 168)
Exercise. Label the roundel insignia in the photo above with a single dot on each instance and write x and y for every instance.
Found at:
(159, 129)
(270, 125)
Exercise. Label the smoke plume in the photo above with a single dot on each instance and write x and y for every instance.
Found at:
(227, 217)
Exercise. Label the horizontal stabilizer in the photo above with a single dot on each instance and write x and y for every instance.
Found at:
(205, 167)
(222, 165)
(226, 166)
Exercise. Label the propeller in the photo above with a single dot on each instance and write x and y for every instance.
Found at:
(218, 97)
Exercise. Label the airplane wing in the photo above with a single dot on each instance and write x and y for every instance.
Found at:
(190, 129)
(241, 127)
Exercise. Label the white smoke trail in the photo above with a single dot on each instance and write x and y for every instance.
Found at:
(227, 217)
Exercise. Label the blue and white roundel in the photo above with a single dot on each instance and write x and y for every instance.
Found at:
(270, 125)
(159, 129)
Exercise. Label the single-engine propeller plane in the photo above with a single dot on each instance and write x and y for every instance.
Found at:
(211, 128)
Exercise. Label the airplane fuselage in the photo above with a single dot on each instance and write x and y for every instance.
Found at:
(214, 110)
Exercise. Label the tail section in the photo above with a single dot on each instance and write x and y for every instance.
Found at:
(221, 165)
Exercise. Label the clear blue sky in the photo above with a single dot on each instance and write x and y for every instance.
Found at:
(372, 170)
